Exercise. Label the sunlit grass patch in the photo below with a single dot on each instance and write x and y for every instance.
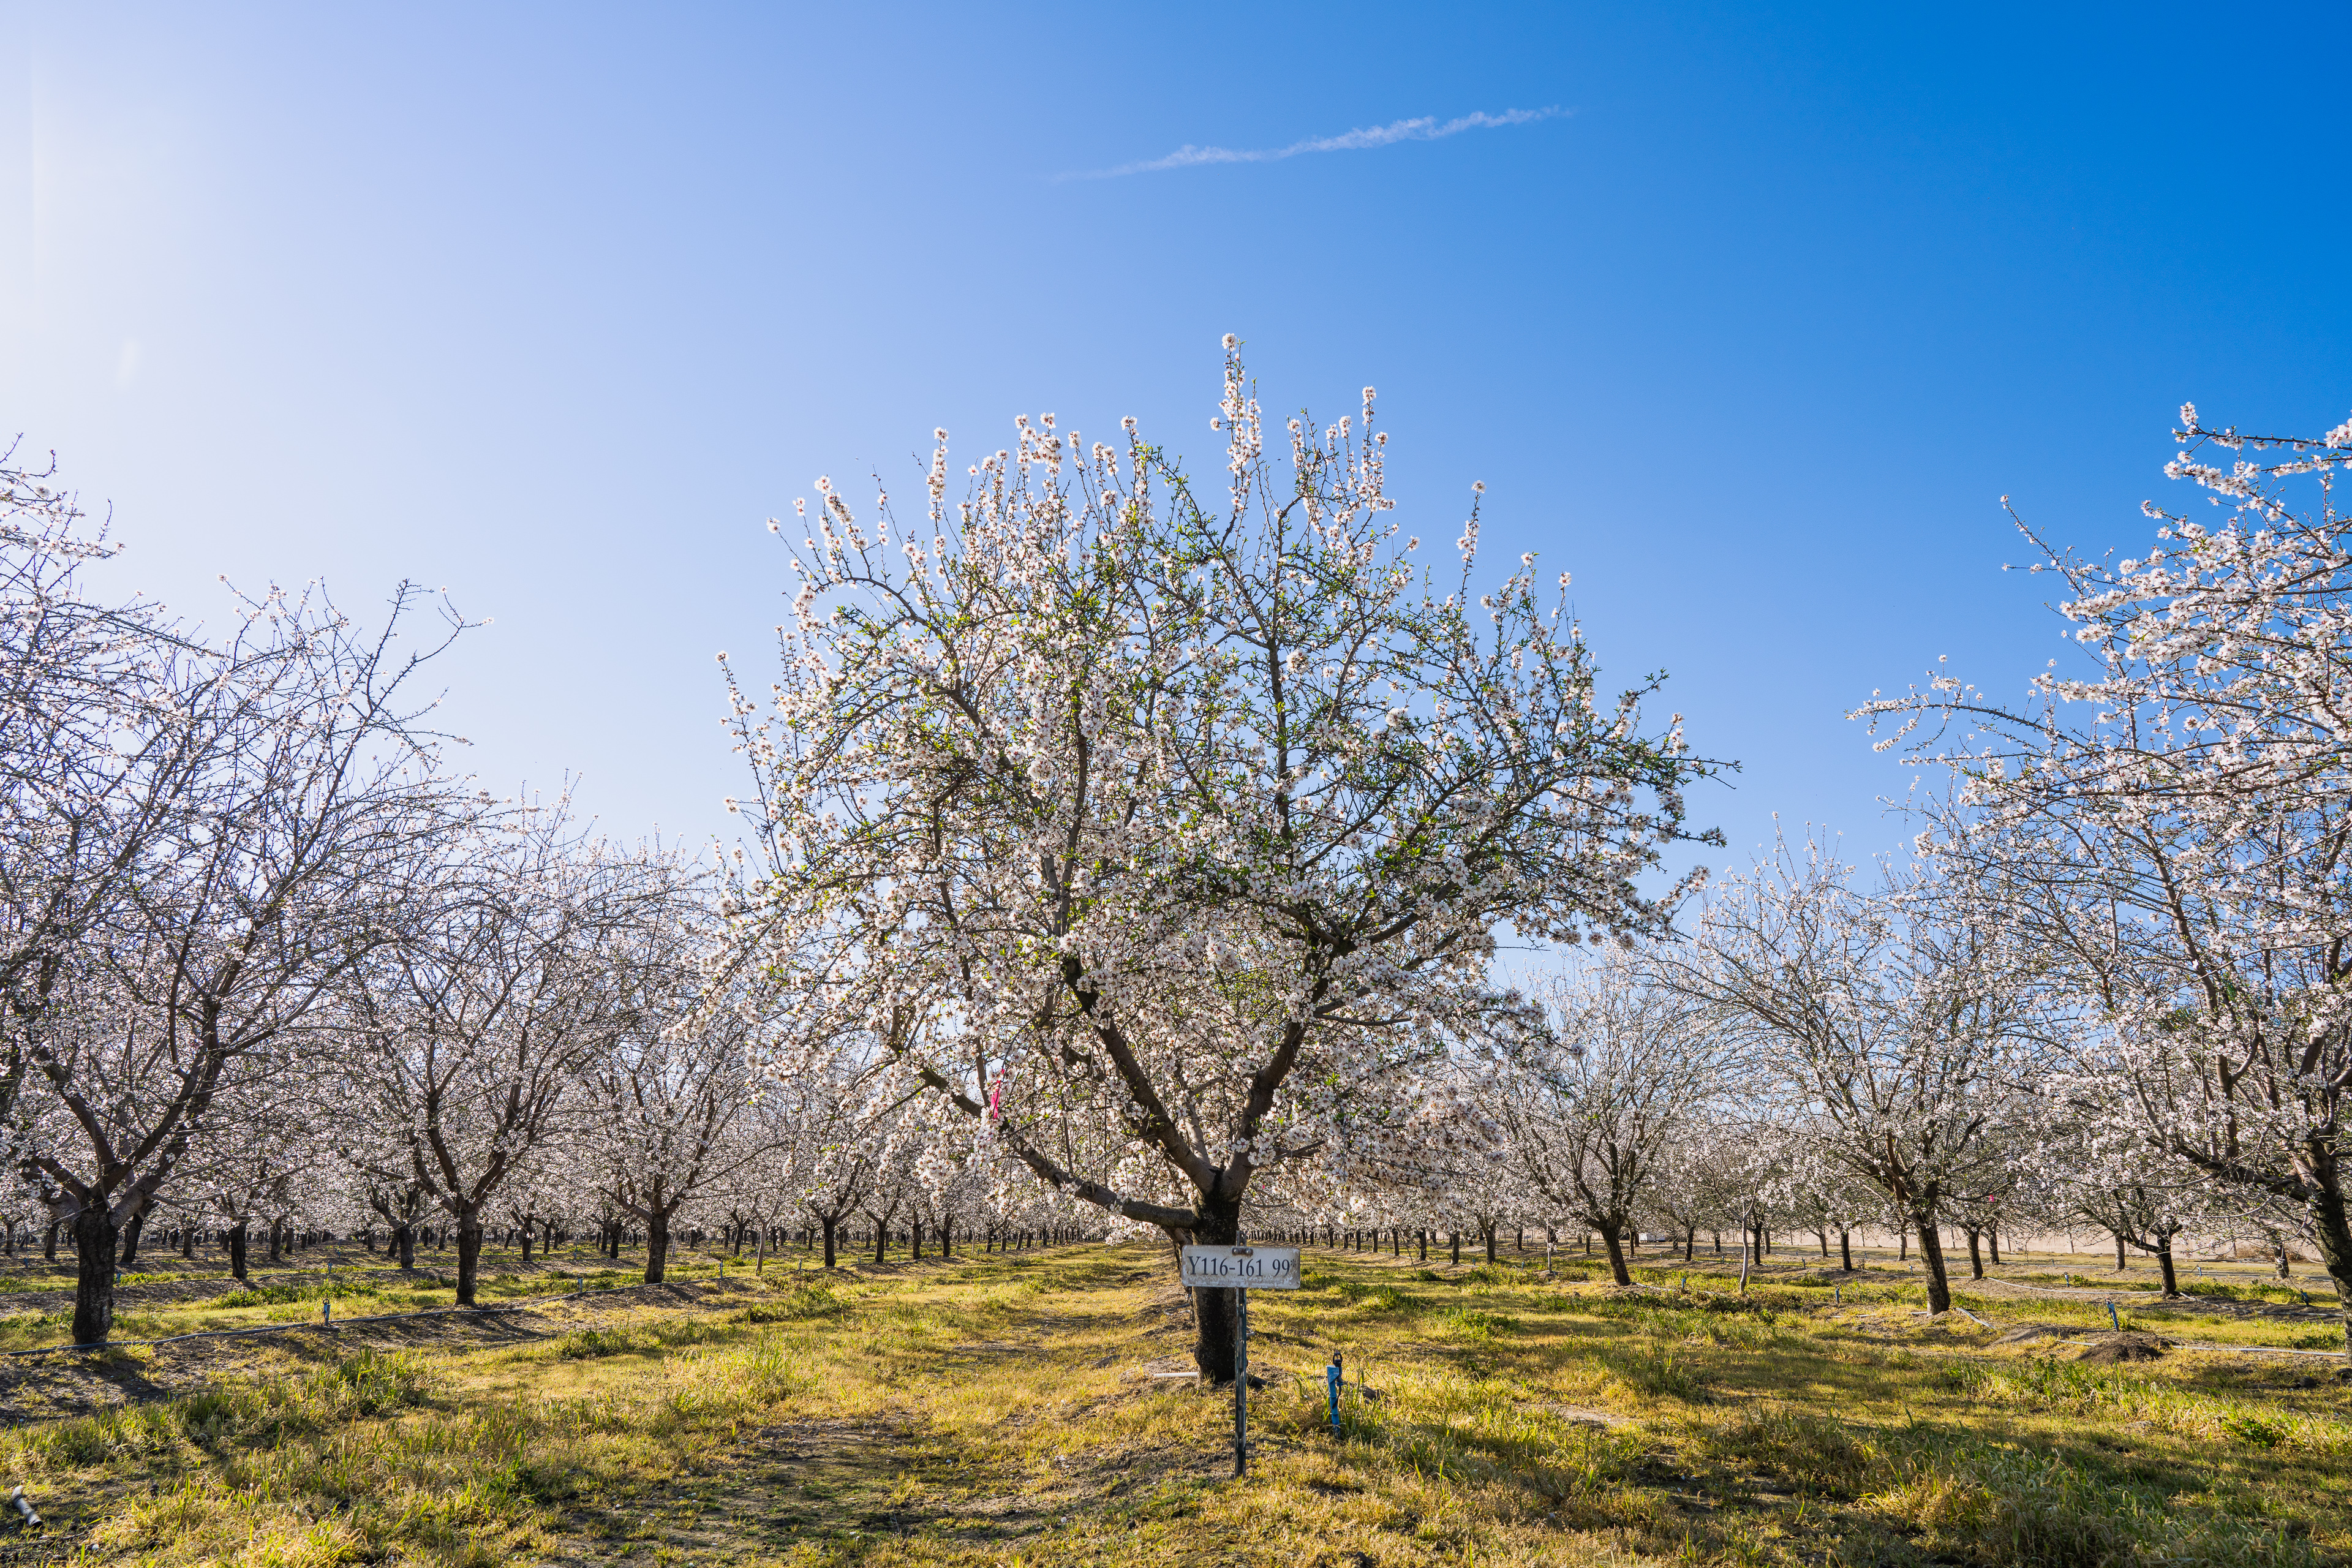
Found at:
(2277, 1295)
(1478, 1327)
(365, 1384)
(2082, 1388)
(818, 1301)
(1997, 1502)
(1000, 1409)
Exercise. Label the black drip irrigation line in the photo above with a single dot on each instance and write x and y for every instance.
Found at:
(321, 1328)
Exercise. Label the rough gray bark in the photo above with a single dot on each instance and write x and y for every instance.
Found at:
(1931, 1254)
(1612, 1239)
(1216, 1313)
(656, 1246)
(94, 1235)
(470, 1256)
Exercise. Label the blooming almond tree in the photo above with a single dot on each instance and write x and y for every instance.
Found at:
(108, 713)
(471, 1035)
(283, 862)
(1697, 1184)
(829, 1123)
(2170, 824)
(668, 1094)
(1589, 1108)
(261, 1143)
(2104, 1173)
(1886, 1021)
(1149, 821)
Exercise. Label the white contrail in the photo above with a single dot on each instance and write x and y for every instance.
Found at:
(1426, 128)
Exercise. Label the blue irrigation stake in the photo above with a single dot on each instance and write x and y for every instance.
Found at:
(1332, 1386)
(2119, 1322)
(1837, 1295)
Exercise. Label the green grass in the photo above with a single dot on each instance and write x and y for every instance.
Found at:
(997, 1410)
(2277, 1295)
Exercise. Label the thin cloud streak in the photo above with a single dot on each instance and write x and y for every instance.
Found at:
(1426, 128)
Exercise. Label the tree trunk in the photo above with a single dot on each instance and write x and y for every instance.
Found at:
(130, 1237)
(828, 1242)
(1931, 1254)
(188, 1242)
(1992, 1243)
(1845, 1250)
(94, 1239)
(1456, 1237)
(915, 1233)
(1690, 1244)
(1609, 1238)
(2333, 1231)
(1421, 1238)
(525, 1233)
(1216, 1314)
(657, 1247)
(2164, 1266)
(1976, 1253)
(236, 1235)
(404, 1236)
(881, 1243)
(275, 1254)
(2122, 1262)
(49, 1247)
(1490, 1244)
(470, 1256)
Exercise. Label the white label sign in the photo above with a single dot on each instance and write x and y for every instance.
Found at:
(1244, 1267)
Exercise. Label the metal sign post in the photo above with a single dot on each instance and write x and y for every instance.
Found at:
(1241, 1384)
(1241, 1269)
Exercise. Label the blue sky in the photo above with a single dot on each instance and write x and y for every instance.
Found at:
(557, 307)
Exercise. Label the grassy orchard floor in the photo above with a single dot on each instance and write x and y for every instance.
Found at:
(1001, 1410)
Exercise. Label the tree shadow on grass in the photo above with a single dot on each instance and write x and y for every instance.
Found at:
(848, 1489)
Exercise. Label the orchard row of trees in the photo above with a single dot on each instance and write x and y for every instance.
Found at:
(267, 962)
(1670, 1093)
(1142, 845)
(1164, 830)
